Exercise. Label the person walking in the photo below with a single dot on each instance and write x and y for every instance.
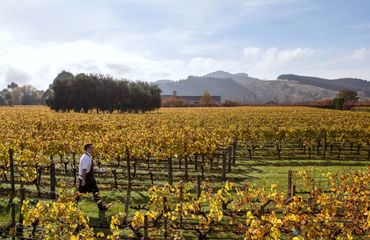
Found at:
(87, 182)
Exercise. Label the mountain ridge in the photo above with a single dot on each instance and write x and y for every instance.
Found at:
(241, 87)
(356, 84)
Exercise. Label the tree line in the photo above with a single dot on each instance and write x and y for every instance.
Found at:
(103, 93)
(14, 94)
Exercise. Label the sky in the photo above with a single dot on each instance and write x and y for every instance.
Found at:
(171, 39)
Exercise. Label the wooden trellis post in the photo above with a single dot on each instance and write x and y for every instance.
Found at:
(186, 168)
(289, 193)
(197, 187)
(12, 205)
(53, 180)
(165, 218)
(196, 162)
(181, 193)
(229, 160)
(128, 193)
(12, 181)
(146, 227)
(324, 147)
(234, 151)
(74, 169)
(224, 167)
(170, 180)
(20, 219)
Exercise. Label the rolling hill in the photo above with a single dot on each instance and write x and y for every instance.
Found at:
(241, 87)
(355, 84)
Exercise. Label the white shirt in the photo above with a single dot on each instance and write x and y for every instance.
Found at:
(85, 163)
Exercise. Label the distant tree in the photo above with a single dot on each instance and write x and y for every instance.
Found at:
(21, 95)
(12, 85)
(338, 103)
(348, 95)
(349, 98)
(59, 98)
(122, 96)
(8, 98)
(16, 93)
(2, 100)
(206, 99)
(143, 97)
(46, 95)
(30, 95)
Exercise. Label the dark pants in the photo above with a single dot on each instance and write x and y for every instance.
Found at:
(90, 187)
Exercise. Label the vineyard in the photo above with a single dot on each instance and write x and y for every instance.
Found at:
(203, 173)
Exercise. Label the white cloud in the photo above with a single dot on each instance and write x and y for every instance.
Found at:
(251, 53)
(359, 54)
(278, 57)
(14, 75)
(287, 56)
(270, 62)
